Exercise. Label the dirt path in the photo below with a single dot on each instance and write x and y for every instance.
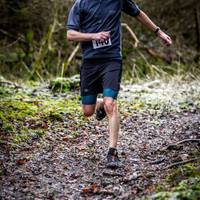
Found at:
(63, 167)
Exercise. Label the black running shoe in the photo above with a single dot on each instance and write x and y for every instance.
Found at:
(100, 113)
(112, 159)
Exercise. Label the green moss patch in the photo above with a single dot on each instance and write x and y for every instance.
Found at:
(182, 183)
(65, 84)
(24, 116)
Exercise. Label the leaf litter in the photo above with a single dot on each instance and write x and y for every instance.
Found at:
(68, 162)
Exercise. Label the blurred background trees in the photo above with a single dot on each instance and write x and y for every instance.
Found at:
(33, 40)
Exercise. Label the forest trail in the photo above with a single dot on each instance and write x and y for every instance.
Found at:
(66, 167)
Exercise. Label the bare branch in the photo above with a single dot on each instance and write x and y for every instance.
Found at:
(181, 163)
(171, 146)
(66, 64)
(10, 83)
(132, 34)
(73, 54)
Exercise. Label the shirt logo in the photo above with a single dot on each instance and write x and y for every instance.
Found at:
(112, 11)
(86, 90)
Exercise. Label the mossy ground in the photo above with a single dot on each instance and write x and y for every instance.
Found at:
(24, 114)
(181, 183)
(34, 111)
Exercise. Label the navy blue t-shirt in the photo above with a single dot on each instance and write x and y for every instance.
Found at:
(93, 16)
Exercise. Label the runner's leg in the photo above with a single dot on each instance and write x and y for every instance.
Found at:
(90, 80)
(111, 86)
(89, 104)
(88, 110)
(111, 109)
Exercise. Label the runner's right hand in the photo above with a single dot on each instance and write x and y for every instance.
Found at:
(101, 36)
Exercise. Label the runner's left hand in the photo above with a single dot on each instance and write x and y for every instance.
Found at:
(164, 37)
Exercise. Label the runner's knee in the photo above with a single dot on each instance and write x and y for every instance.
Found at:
(109, 105)
(88, 111)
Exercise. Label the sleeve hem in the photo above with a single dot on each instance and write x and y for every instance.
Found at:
(137, 13)
(70, 27)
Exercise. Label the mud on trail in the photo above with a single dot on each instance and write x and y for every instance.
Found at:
(68, 162)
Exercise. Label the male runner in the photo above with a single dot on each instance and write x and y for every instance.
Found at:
(96, 24)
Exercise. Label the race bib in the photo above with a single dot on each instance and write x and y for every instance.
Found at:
(100, 44)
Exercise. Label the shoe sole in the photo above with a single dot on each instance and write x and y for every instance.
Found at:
(100, 118)
(112, 165)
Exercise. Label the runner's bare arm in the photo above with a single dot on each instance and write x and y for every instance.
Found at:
(145, 20)
(73, 35)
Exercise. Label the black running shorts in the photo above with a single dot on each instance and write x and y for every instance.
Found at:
(100, 76)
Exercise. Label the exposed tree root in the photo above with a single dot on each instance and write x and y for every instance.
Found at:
(172, 146)
(181, 163)
(10, 83)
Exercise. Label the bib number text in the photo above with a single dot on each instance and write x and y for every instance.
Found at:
(100, 44)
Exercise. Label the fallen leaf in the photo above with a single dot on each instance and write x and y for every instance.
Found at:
(94, 187)
(66, 139)
(150, 189)
(22, 161)
(65, 167)
(86, 190)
